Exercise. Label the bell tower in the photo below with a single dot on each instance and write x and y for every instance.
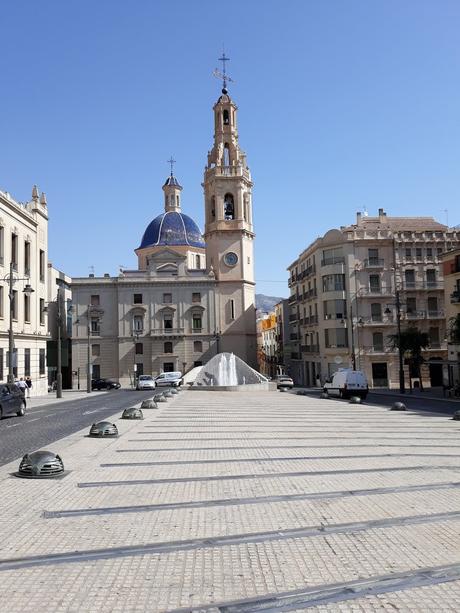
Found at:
(229, 232)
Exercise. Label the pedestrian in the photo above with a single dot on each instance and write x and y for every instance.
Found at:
(29, 386)
(22, 385)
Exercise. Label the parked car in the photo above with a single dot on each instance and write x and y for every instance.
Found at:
(105, 384)
(145, 382)
(284, 381)
(170, 379)
(346, 383)
(12, 401)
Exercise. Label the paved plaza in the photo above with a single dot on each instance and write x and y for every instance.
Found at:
(241, 502)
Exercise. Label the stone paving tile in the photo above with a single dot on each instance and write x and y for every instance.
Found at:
(200, 576)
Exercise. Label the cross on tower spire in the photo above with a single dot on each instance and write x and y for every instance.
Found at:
(222, 74)
(171, 162)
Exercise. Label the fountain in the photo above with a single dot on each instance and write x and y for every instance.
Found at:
(228, 372)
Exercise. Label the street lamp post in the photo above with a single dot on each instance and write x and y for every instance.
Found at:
(398, 305)
(88, 351)
(27, 290)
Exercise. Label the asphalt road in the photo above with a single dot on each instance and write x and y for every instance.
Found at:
(46, 424)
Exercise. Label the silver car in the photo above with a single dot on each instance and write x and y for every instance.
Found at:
(146, 382)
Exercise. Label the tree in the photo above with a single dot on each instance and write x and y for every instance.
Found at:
(412, 341)
(454, 330)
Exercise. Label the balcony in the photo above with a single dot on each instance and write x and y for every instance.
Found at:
(293, 317)
(455, 297)
(377, 349)
(309, 348)
(374, 263)
(377, 290)
(161, 332)
(377, 321)
(411, 315)
(438, 314)
(292, 299)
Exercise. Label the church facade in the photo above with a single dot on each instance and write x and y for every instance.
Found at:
(192, 294)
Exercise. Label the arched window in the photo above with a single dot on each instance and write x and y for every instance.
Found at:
(177, 200)
(226, 160)
(197, 262)
(226, 118)
(171, 199)
(168, 347)
(197, 346)
(229, 207)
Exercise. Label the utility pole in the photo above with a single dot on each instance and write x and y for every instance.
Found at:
(400, 351)
(88, 357)
(353, 355)
(10, 331)
(59, 354)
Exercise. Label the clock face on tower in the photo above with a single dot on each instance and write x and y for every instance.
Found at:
(230, 258)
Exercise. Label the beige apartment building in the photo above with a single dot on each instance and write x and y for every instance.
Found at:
(342, 305)
(192, 295)
(451, 268)
(24, 245)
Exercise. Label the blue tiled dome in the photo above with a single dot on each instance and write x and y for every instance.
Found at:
(172, 228)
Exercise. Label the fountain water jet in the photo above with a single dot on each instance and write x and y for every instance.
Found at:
(228, 372)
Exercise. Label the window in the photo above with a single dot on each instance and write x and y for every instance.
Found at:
(26, 307)
(373, 256)
(137, 299)
(232, 309)
(42, 265)
(333, 256)
(197, 262)
(213, 208)
(167, 298)
(335, 337)
(15, 304)
(41, 361)
(95, 300)
(333, 309)
(411, 305)
(42, 311)
(377, 341)
(27, 258)
(196, 322)
(138, 323)
(226, 118)
(333, 283)
(229, 207)
(96, 371)
(1, 302)
(95, 350)
(95, 326)
(27, 362)
(408, 253)
(2, 246)
(168, 366)
(197, 346)
(434, 337)
(431, 277)
(439, 250)
(14, 251)
(139, 348)
(376, 311)
(168, 322)
(168, 347)
(374, 284)
(409, 276)
(418, 253)
(196, 297)
(1, 363)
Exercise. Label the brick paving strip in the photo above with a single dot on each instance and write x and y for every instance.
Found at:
(179, 530)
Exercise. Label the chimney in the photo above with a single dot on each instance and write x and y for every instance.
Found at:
(358, 218)
(91, 275)
(106, 275)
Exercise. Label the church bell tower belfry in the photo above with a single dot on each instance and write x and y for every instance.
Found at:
(229, 232)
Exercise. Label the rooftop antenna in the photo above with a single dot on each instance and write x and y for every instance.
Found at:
(222, 74)
(446, 211)
(171, 162)
(91, 269)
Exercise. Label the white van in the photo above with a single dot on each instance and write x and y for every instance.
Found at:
(346, 383)
(169, 379)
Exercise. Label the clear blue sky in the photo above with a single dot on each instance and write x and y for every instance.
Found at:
(342, 105)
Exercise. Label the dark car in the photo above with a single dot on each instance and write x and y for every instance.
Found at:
(104, 384)
(12, 401)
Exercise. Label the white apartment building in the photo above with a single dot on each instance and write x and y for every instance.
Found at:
(342, 303)
(24, 245)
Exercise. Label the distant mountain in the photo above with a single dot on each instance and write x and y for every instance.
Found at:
(265, 304)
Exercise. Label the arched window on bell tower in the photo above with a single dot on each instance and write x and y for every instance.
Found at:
(229, 207)
(226, 117)
(213, 208)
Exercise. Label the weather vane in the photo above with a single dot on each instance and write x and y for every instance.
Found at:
(171, 162)
(222, 74)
